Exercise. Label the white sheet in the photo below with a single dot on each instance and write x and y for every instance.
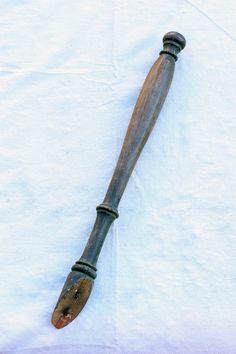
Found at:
(70, 73)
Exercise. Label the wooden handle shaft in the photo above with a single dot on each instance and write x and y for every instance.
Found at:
(147, 108)
(146, 111)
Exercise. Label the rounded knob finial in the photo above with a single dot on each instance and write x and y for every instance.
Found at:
(176, 38)
(173, 43)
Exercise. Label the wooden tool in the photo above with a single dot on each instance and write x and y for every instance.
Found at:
(80, 280)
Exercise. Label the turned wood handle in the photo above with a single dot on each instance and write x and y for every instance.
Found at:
(146, 110)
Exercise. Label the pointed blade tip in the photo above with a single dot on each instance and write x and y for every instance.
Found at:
(74, 296)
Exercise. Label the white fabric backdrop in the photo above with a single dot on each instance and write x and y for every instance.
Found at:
(70, 73)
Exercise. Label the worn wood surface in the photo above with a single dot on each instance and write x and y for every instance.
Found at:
(151, 98)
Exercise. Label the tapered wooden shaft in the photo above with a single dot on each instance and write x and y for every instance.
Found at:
(144, 116)
(147, 108)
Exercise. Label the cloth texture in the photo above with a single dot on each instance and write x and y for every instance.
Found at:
(70, 74)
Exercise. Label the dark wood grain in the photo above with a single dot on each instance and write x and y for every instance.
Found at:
(146, 110)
